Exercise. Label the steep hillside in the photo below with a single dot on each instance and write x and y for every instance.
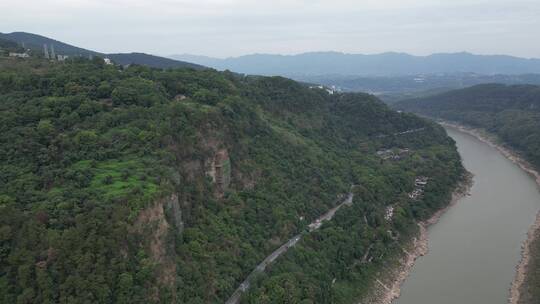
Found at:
(143, 185)
(511, 112)
(36, 42)
(151, 61)
(9, 45)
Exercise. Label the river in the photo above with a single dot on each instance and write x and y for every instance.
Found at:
(476, 245)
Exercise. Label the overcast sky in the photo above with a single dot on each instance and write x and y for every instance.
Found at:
(224, 28)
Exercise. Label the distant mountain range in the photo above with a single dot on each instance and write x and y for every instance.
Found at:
(36, 42)
(393, 75)
(386, 64)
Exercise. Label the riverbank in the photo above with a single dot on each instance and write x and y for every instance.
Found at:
(518, 284)
(390, 288)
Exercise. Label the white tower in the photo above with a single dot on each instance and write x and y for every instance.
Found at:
(46, 52)
(53, 55)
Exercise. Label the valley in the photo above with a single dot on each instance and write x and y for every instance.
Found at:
(505, 117)
(477, 244)
(302, 177)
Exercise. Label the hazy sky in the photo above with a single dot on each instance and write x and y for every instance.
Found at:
(234, 27)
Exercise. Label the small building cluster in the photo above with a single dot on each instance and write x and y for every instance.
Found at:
(420, 184)
(178, 97)
(51, 55)
(421, 181)
(389, 213)
(393, 154)
(315, 225)
(419, 79)
(19, 55)
(330, 90)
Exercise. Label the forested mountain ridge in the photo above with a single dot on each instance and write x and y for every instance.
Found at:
(511, 112)
(36, 42)
(151, 61)
(9, 45)
(144, 185)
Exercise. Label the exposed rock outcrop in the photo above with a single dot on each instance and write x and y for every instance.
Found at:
(173, 211)
(155, 224)
(219, 170)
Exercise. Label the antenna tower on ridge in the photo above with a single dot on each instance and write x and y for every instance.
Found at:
(46, 52)
(53, 55)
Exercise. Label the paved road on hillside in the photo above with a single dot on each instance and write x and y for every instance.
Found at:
(235, 298)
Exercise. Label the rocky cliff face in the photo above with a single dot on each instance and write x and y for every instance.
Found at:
(173, 211)
(156, 225)
(163, 220)
(219, 170)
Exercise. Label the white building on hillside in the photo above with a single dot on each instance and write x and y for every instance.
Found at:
(19, 55)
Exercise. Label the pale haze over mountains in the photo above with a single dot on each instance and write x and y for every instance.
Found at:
(386, 64)
(392, 76)
(223, 28)
(389, 75)
(319, 41)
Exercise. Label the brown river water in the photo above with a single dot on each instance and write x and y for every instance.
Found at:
(476, 245)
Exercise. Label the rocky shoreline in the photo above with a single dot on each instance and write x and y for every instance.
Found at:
(386, 293)
(522, 267)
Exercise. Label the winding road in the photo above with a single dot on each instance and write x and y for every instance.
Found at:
(235, 298)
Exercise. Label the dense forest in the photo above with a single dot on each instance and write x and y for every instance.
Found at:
(9, 46)
(137, 185)
(512, 113)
